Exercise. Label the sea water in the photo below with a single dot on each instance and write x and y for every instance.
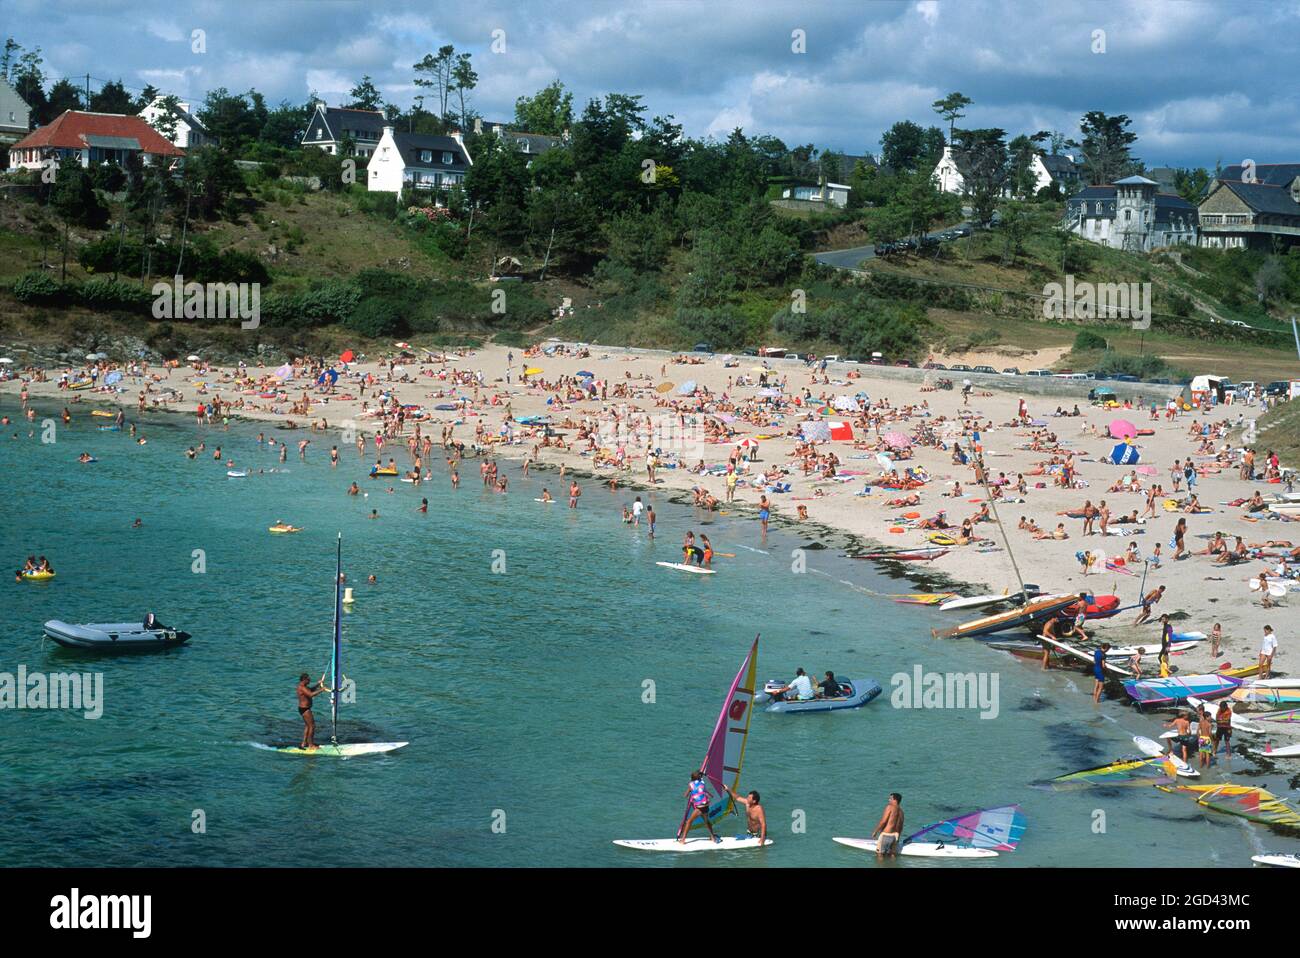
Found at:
(555, 685)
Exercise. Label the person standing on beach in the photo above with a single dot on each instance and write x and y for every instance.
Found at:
(1089, 517)
(1099, 670)
(638, 507)
(1148, 600)
(889, 829)
(1216, 636)
(574, 493)
(1267, 649)
(650, 519)
(1223, 728)
(764, 514)
(1204, 736)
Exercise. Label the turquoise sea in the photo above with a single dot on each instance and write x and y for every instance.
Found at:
(523, 693)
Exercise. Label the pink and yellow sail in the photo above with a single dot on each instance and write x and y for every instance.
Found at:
(726, 752)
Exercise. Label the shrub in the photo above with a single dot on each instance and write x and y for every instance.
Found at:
(1086, 339)
(39, 288)
(105, 293)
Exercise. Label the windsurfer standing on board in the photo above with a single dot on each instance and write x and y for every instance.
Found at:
(307, 692)
(697, 794)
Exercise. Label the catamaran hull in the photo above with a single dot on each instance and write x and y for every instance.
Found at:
(922, 849)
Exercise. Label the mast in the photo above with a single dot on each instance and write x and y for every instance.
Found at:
(336, 665)
(982, 476)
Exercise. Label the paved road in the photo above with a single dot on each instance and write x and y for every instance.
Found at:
(855, 257)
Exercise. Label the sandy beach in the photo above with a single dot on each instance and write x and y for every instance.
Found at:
(636, 405)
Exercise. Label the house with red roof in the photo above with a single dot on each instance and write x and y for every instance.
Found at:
(92, 139)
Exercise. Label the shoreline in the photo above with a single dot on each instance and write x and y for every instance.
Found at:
(835, 508)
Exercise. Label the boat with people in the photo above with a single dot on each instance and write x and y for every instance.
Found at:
(854, 693)
(115, 636)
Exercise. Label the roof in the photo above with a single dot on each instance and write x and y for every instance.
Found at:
(1274, 174)
(74, 130)
(1056, 163)
(181, 114)
(532, 142)
(409, 146)
(1135, 181)
(1264, 197)
(371, 121)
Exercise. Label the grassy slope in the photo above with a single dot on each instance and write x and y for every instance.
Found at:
(1279, 429)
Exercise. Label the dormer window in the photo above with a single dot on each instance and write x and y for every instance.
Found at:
(320, 134)
(446, 158)
(426, 156)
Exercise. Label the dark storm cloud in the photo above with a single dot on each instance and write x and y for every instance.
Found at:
(1202, 81)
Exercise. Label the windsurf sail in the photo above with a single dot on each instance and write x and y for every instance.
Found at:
(998, 828)
(1285, 715)
(1246, 801)
(726, 750)
(1124, 771)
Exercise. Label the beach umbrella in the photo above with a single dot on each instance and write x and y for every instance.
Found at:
(897, 440)
(399, 346)
(284, 372)
(825, 411)
(664, 387)
(1122, 429)
(1148, 471)
(686, 388)
(886, 464)
(192, 358)
(1124, 455)
(585, 374)
(747, 443)
(113, 377)
(532, 371)
(347, 356)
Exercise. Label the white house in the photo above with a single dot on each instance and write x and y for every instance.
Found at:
(419, 161)
(1045, 170)
(833, 194)
(189, 133)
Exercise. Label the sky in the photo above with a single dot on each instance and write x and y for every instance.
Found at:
(1202, 82)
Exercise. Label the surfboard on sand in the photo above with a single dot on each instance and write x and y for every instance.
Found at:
(686, 568)
(704, 844)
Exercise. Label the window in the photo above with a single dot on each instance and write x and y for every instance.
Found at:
(426, 156)
(446, 159)
(320, 134)
(1128, 215)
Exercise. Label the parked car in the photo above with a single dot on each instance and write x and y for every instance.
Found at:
(1011, 371)
(962, 231)
(934, 366)
(985, 369)
(702, 348)
(906, 362)
(749, 352)
(960, 368)
(830, 359)
(1278, 387)
(1161, 382)
(1039, 372)
(1125, 378)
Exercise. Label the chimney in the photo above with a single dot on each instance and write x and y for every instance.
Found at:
(496, 129)
(478, 124)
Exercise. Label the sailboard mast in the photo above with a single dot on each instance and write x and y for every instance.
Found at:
(336, 663)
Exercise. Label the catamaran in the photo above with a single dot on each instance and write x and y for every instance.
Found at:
(335, 687)
(722, 761)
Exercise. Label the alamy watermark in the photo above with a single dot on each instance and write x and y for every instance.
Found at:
(1073, 300)
(946, 690)
(76, 691)
(181, 300)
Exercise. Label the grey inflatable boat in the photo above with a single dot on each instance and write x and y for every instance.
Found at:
(113, 636)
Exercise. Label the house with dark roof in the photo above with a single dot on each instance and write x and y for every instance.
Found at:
(529, 144)
(1253, 214)
(15, 115)
(92, 139)
(1131, 214)
(420, 161)
(331, 127)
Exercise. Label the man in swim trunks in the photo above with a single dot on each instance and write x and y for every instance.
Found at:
(307, 692)
(697, 793)
(1223, 728)
(890, 827)
(1099, 670)
(764, 513)
(755, 817)
(1148, 600)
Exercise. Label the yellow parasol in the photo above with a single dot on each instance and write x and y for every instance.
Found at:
(663, 387)
(531, 371)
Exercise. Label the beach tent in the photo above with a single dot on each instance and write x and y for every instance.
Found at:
(1124, 455)
(347, 356)
(841, 431)
(846, 403)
